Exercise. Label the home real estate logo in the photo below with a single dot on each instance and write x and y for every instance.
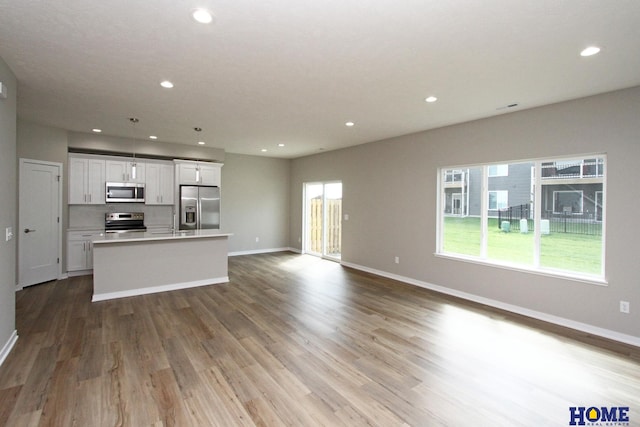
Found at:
(599, 416)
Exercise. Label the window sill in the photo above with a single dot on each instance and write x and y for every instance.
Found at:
(560, 274)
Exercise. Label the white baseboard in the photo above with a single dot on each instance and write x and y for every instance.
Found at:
(261, 251)
(561, 321)
(79, 273)
(8, 346)
(156, 289)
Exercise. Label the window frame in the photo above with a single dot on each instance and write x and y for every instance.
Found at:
(498, 193)
(536, 182)
(501, 169)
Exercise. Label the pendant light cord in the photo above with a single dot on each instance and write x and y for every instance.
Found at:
(134, 165)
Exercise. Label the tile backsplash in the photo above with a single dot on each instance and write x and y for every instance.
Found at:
(92, 216)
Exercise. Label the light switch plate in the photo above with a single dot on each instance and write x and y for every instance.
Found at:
(624, 307)
(3, 90)
(8, 233)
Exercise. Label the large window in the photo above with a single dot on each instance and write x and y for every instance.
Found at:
(551, 218)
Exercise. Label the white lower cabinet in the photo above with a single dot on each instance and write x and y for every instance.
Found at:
(80, 249)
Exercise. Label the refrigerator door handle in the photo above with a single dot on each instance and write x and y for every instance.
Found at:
(198, 213)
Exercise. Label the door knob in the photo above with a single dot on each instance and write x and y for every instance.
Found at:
(26, 230)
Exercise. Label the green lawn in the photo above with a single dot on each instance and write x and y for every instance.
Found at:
(571, 252)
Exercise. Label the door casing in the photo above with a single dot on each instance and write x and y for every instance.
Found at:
(21, 219)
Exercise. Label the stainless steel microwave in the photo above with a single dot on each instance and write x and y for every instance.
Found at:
(124, 192)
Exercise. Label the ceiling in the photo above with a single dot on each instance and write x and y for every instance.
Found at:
(293, 72)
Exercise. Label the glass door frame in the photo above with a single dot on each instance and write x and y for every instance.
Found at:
(306, 228)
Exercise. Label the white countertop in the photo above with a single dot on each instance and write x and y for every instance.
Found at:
(142, 236)
(86, 230)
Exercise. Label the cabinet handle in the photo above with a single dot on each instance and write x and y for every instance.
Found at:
(84, 198)
(89, 198)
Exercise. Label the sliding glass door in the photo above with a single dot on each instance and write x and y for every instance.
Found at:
(323, 219)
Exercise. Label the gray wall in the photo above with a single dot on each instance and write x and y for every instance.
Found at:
(390, 190)
(48, 144)
(255, 202)
(8, 207)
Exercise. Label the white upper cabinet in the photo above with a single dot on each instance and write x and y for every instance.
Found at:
(125, 171)
(198, 173)
(159, 183)
(210, 174)
(86, 180)
(89, 173)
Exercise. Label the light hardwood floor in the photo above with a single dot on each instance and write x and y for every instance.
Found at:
(296, 340)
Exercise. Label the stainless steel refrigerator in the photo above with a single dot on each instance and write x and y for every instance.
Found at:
(199, 207)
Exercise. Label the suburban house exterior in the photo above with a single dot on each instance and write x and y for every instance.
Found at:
(570, 188)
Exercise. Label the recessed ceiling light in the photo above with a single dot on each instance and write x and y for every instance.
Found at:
(591, 50)
(431, 99)
(166, 84)
(201, 142)
(203, 16)
(350, 124)
(264, 150)
(280, 145)
(96, 130)
(153, 137)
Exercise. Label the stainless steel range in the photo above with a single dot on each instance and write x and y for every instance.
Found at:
(122, 222)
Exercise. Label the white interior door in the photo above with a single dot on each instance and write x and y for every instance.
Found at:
(39, 222)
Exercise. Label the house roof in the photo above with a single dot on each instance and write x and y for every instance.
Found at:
(293, 72)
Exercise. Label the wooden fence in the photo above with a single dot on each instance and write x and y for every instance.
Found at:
(333, 224)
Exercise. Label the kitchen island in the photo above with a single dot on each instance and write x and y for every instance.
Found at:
(128, 264)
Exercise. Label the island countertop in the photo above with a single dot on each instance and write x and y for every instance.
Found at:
(144, 236)
(138, 263)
